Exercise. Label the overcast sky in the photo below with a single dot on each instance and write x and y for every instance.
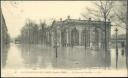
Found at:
(16, 14)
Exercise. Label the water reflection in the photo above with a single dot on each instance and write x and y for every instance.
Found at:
(14, 58)
(122, 52)
(116, 58)
(126, 53)
(4, 53)
(35, 55)
(39, 56)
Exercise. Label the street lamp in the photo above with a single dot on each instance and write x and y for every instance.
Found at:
(116, 30)
(56, 46)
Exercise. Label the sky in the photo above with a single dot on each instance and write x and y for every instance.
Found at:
(17, 12)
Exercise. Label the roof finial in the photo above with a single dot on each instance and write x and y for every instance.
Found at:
(69, 17)
(89, 19)
(79, 18)
(108, 20)
(60, 19)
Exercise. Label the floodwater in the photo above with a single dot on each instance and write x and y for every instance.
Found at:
(18, 56)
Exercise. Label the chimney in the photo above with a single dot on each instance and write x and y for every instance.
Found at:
(108, 20)
(60, 19)
(68, 17)
(89, 19)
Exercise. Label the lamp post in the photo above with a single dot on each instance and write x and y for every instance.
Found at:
(56, 46)
(116, 30)
(127, 39)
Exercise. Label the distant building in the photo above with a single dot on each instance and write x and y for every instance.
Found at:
(121, 40)
(4, 31)
(77, 32)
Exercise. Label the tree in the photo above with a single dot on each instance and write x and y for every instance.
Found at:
(42, 32)
(127, 36)
(103, 11)
(29, 33)
(122, 17)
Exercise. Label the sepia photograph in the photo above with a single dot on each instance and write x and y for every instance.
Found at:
(64, 38)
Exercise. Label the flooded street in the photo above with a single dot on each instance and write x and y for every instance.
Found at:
(39, 56)
(64, 38)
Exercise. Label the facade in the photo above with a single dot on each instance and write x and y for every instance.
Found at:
(76, 32)
(4, 31)
(4, 39)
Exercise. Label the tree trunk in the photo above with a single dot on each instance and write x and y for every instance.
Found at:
(105, 34)
(105, 42)
(127, 39)
(127, 30)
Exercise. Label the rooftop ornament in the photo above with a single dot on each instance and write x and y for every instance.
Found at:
(60, 19)
(68, 17)
(90, 19)
(109, 20)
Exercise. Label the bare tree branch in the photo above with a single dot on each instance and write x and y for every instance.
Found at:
(103, 10)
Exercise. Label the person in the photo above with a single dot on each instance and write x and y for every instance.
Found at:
(122, 52)
(122, 44)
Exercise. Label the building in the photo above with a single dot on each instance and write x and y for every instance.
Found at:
(77, 32)
(4, 40)
(4, 31)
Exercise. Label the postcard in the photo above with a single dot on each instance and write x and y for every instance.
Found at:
(64, 38)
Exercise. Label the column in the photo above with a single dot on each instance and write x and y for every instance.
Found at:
(80, 37)
(89, 37)
(59, 38)
(67, 39)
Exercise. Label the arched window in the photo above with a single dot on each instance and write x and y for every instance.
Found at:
(74, 37)
(83, 37)
(63, 37)
(96, 37)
